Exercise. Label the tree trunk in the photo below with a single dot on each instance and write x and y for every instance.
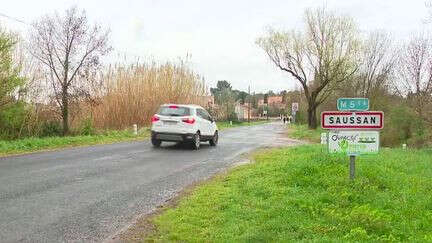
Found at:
(65, 112)
(312, 120)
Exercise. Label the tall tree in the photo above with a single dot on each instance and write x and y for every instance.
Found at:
(378, 61)
(222, 88)
(70, 49)
(321, 57)
(415, 73)
(10, 79)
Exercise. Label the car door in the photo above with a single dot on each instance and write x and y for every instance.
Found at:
(206, 122)
(202, 121)
(210, 123)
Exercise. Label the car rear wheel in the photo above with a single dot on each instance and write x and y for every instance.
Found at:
(156, 142)
(196, 141)
(214, 140)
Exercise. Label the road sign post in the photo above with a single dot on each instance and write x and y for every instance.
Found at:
(352, 129)
(294, 109)
(352, 166)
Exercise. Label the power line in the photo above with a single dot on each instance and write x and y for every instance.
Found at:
(12, 18)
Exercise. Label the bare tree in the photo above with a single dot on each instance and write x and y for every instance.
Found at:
(320, 58)
(415, 74)
(377, 64)
(70, 50)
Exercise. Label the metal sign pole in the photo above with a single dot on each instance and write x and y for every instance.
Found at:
(352, 166)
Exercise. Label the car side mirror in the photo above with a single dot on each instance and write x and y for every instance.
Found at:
(211, 119)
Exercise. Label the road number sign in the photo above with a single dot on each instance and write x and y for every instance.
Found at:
(294, 107)
(353, 142)
(353, 104)
(352, 120)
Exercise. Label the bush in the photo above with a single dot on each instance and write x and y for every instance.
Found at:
(12, 120)
(233, 117)
(403, 126)
(87, 127)
(51, 129)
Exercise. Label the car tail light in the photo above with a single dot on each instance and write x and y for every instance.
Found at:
(154, 118)
(173, 107)
(189, 120)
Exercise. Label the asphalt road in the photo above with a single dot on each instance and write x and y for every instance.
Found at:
(89, 193)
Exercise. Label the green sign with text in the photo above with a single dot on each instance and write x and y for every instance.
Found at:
(353, 104)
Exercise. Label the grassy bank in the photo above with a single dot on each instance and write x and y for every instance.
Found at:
(301, 194)
(33, 144)
(226, 124)
(302, 132)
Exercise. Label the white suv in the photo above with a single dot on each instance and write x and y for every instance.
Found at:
(183, 123)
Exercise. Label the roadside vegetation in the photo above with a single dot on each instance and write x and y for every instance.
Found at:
(226, 124)
(303, 194)
(302, 132)
(34, 144)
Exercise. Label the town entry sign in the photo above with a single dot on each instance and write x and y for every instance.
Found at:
(352, 130)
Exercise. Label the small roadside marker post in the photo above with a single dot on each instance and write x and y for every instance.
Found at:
(135, 129)
(352, 129)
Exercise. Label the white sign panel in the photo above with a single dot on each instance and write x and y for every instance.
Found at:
(324, 138)
(294, 107)
(352, 120)
(353, 142)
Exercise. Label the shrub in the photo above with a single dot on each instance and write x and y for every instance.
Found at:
(87, 127)
(403, 126)
(51, 129)
(12, 119)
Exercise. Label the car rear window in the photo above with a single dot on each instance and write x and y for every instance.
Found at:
(174, 111)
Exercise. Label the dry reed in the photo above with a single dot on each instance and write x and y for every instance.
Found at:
(133, 93)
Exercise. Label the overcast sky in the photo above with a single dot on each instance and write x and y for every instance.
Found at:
(220, 34)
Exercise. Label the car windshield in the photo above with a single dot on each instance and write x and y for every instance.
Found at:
(173, 111)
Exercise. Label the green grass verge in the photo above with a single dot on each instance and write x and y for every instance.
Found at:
(34, 144)
(226, 124)
(301, 194)
(302, 132)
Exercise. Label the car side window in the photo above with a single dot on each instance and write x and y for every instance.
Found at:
(207, 115)
(202, 113)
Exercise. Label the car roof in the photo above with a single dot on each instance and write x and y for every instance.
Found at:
(185, 105)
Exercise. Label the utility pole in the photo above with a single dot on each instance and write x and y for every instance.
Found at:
(267, 113)
(249, 104)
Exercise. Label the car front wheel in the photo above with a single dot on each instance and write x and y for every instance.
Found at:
(196, 141)
(215, 139)
(156, 142)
